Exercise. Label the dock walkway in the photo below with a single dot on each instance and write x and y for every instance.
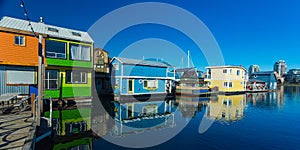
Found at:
(16, 130)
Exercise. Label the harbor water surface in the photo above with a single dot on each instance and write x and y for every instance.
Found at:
(248, 121)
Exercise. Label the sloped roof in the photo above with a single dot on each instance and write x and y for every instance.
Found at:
(227, 66)
(132, 61)
(42, 28)
(263, 72)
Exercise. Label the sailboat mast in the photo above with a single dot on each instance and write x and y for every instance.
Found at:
(188, 59)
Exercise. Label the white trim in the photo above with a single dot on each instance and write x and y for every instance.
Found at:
(145, 77)
(145, 93)
(229, 79)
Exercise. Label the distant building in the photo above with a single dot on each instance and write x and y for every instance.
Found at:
(280, 67)
(227, 78)
(293, 76)
(252, 69)
(101, 68)
(269, 77)
(101, 60)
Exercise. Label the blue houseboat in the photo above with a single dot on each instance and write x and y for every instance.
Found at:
(133, 77)
(269, 77)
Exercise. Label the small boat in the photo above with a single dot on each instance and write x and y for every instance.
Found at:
(254, 86)
(196, 91)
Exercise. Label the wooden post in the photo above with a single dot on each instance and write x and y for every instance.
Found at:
(40, 81)
(33, 105)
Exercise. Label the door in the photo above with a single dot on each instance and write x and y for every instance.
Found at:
(130, 86)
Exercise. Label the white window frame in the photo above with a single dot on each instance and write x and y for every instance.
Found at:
(83, 77)
(230, 83)
(79, 52)
(55, 53)
(225, 84)
(48, 80)
(19, 40)
(238, 72)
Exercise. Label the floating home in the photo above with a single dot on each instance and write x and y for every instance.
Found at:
(228, 79)
(101, 68)
(133, 77)
(18, 57)
(269, 77)
(67, 56)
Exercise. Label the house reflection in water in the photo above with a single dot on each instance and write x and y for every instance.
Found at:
(267, 100)
(190, 105)
(137, 117)
(227, 108)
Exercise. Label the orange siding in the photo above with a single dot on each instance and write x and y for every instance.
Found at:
(11, 54)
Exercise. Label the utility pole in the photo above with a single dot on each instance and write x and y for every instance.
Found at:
(40, 79)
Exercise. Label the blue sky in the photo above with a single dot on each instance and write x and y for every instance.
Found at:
(247, 31)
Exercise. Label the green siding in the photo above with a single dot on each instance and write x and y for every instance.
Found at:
(68, 92)
(68, 63)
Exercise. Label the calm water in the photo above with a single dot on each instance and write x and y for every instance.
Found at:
(248, 121)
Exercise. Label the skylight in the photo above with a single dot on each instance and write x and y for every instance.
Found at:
(52, 29)
(76, 33)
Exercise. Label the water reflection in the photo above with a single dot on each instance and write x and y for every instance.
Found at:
(227, 108)
(189, 106)
(267, 100)
(137, 117)
(132, 122)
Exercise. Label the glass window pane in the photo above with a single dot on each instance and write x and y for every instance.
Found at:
(17, 40)
(85, 53)
(68, 76)
(53, 84)
(55, 49)
(21, 40)
(83, 77)
(80, 52)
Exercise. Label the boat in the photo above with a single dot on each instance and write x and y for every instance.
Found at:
(196, 91)
(254, 86)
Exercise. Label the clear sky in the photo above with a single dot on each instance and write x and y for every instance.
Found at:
(247, 31)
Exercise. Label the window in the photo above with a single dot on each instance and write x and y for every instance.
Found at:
(145, 84)
(76, 77)
(20, 40)
(130, 112)
(20, 75)
(80, 52)
(130, 85)
(76, 34)
(55, 49)
(225, 102)
(238, 72)
(225, 84)
(230, 71)
(230, 84)
(150, 109)
(51, 79)
(150, 84)
(230, 102)
(224, 70)
(52, 29)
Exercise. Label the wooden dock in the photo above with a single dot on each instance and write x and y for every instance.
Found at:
(17, 130)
